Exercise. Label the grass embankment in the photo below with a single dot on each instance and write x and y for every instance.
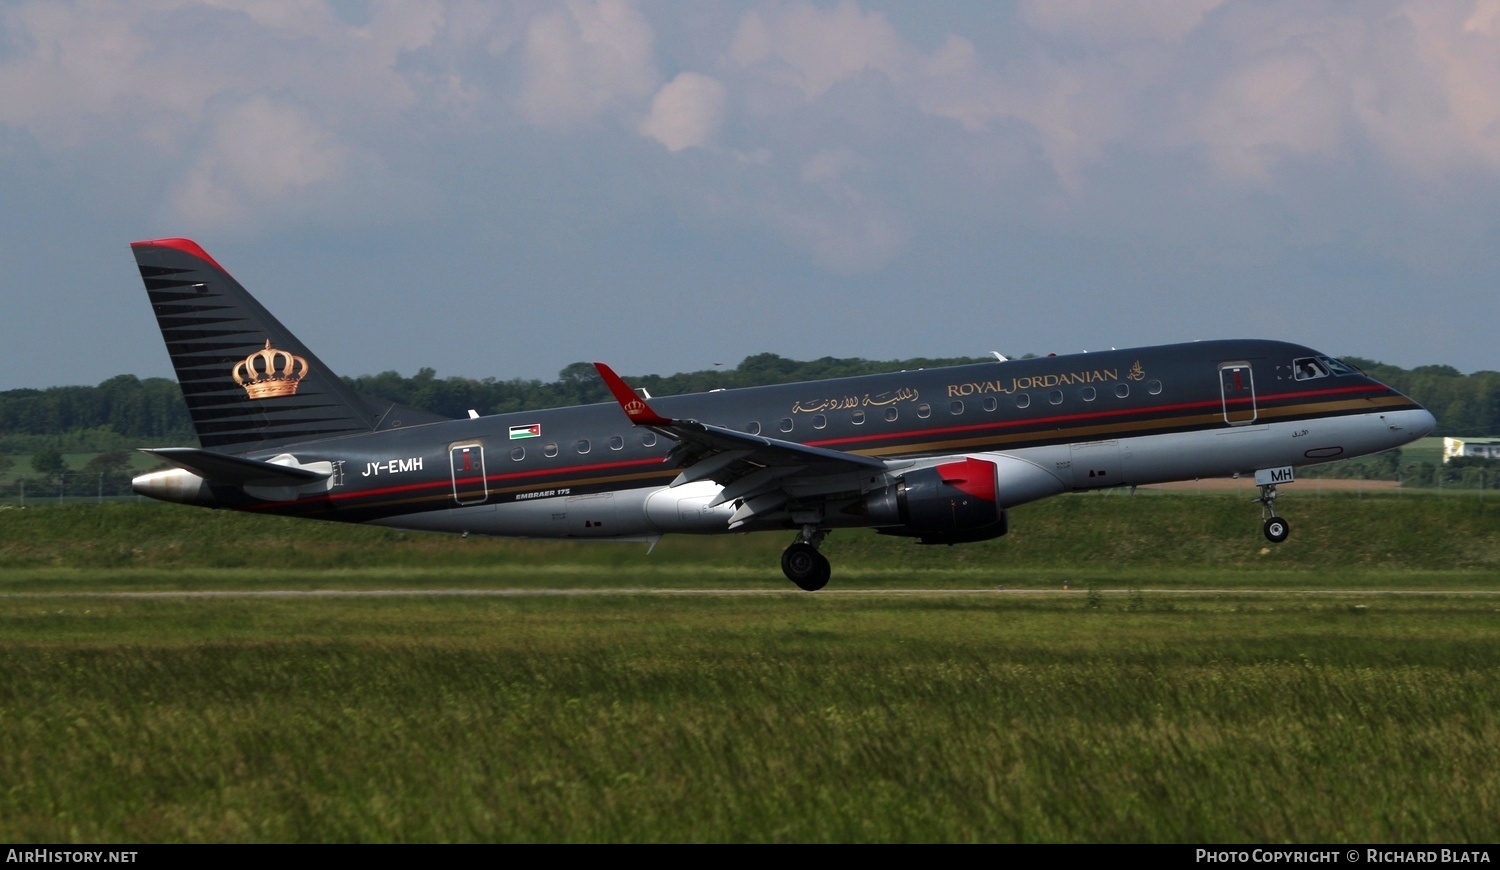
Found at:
(1137, 715)
(796, 717)
(1420, 541)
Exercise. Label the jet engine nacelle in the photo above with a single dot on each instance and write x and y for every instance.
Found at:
(947, 503)
(959, 501)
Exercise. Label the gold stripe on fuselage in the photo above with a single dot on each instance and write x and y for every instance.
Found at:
(1105, 430)
(1091, 433)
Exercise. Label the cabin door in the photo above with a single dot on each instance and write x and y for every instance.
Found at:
(469, 484)
(1238, 390)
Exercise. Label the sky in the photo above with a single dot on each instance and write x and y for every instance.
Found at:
(502, 189)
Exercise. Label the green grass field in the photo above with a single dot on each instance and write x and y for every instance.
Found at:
(1193, 683)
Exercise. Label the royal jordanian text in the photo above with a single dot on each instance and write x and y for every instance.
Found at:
(1351, 856)
(60, 856)
(1033, 383)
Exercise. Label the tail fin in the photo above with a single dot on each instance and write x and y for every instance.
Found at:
(249, 383)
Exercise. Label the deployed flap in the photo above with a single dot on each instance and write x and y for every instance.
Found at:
(236, 470)
(747, 466)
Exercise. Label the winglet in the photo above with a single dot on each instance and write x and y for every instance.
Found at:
(634, 406)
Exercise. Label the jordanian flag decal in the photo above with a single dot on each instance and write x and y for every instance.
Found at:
(533, 430)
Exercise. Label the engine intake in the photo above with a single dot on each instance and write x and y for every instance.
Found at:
(959, 501)
(948, 503)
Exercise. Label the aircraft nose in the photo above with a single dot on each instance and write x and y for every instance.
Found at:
(1410, 424)
(1423, 422)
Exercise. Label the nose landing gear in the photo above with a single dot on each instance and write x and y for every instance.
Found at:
(803, 564)
(1276, 528)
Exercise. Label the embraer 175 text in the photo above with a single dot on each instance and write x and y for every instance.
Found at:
(938, 455)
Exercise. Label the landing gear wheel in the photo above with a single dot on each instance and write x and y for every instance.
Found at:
(1275, 527)
(805, 566)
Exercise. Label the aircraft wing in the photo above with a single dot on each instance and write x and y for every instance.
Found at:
(763, 474)
(236, 470)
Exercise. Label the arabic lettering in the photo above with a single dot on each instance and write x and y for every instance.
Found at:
(891, 397)
(841, 403)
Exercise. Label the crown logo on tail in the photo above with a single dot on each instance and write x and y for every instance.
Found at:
(270, 372)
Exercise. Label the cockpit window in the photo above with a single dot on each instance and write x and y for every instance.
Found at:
(1308, 368)
(1338, 367)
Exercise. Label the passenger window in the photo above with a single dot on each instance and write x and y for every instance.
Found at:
(753, 428)
(858, 417)
(891, 414)
(1307, 368)
(990, 404)
(549, 451)
(1122, 390)
(518, 453)
(1023, 400)
(1154, 388)
(1090, 394)
(785, 424)
(616, 442)
(820, 422)
(956, 407)
(648, 439)
(924, 410)
(1055, 397)
(582, 445)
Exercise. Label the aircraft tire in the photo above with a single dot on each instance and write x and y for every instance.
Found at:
(805, 566)
(1277, 529)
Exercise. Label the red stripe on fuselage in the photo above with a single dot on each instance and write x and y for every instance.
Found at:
(444, 485)
(1095, 415)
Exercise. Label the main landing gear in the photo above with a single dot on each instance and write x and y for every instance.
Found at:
(1276, 528)
(803, 564)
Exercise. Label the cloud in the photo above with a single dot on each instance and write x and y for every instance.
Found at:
(812, 49)
(584, 58)
(1410, 79)
(1107, 21)
(687, 111)
(1279, 105)
(72, 67)
(261, 154)
(846, 228)
(1433, 105)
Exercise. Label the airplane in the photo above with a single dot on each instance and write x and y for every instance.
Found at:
(937, 455)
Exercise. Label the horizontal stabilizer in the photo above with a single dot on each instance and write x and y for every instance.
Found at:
(236, 470)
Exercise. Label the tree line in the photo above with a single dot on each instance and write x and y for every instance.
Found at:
(125, 411)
